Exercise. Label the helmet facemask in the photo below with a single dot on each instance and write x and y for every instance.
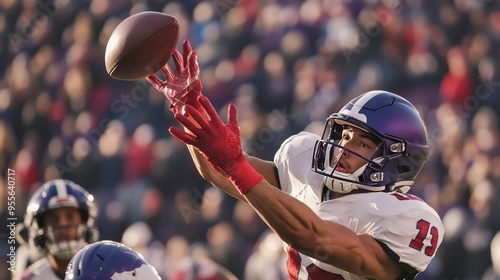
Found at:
(329, 151)
(66, 247)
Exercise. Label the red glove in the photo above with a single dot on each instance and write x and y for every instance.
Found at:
(184, 87)
(218, 142)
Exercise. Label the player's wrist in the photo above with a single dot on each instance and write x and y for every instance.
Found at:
(243, 176)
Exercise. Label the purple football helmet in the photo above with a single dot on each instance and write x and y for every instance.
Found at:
(58, 194)
(109, 260)
(397, 129)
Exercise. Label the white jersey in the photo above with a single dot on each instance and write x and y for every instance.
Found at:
(40, 270)
(405, 226)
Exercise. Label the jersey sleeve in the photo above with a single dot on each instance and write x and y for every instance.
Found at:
(408, 229)
(414, 236)
(293, 162)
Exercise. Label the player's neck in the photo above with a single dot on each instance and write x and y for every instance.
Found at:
(334, 195)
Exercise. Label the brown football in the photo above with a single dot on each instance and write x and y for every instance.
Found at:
(140, 45)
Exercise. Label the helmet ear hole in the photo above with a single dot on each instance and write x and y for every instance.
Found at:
(402, 169)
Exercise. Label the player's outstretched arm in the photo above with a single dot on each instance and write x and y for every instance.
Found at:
(209, 173)
(329, 242)
(183, 88)
(213, 176)
(292, 220)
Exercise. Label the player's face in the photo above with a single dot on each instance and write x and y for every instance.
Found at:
(356, 140)
(63, 222)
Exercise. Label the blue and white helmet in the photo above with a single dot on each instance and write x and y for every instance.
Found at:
(401, 136)
(109, 260)
(58, 194)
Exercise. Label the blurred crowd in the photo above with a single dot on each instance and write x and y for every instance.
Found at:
(287, 65)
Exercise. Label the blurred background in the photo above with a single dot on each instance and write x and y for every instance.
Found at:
(287, 65)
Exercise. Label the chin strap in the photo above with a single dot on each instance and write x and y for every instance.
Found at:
(347, 182)
(343, 186)
(340, 186)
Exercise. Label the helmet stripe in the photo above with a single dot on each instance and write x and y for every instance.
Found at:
(61, 188)
(360, 103)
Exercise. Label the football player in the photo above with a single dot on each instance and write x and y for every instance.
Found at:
(348, 215)
(60, 220)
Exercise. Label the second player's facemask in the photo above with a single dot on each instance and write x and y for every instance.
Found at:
(65, 242)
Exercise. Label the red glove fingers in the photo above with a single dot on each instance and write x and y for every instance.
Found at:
(180, 60)
(206, 129)
(167, 72)
(156, 82)
(183, 62)
(218, 142)
(183, 86)
(192, 66)
(186, 49)
(185, 137)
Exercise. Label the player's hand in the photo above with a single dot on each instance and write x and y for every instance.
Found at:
(184, 86)
(218, 142)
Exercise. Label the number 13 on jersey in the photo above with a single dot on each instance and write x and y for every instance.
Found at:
(424, 230)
